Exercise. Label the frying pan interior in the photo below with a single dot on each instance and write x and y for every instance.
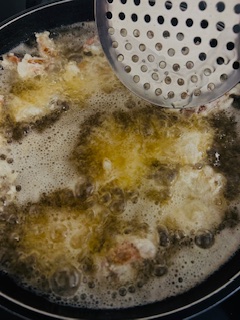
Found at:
(218, 286)
(22, 27)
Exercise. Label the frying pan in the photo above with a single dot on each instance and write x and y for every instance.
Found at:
(215, 289)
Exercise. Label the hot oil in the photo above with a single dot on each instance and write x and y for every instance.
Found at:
(110, 167)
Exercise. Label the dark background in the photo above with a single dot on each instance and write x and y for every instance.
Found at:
(227, 310)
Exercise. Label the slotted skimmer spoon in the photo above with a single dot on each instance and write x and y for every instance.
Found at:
(172, 53)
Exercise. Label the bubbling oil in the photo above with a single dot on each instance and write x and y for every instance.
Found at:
(107, 201)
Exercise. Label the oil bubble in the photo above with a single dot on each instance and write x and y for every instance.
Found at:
(164, 239)
(159, 270)
(65, 281)
(204, 239)
(118, 206)
(122, 291)
(131, 289)
(84, 188)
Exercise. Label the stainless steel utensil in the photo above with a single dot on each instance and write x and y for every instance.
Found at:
(172, 53)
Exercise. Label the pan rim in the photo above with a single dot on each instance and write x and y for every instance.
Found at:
(231, 286)
(27, 12)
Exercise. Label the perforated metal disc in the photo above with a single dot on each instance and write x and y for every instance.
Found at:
(172, 53)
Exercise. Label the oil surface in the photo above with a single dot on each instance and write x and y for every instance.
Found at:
(107, 201)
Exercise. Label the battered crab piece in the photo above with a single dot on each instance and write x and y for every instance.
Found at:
(121, 260)
(46, 46)
(31, 67)
(125, 252)
(10, 61)
(27, 67)
(132, 249)
(92, 46)
(186, 209)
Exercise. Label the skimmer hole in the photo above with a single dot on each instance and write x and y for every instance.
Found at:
(183, 6)
(168, 80)
(160, 20)
(144, 68)
(236, 28)
(136, 79)
(146, 86)
(142, 47)
(185, 51)
(197, 40)
(168, 5)
(176, 67)
(189, 22)
(197, 92)
(136, 33)
(174, 22)
(135, 58)
(137, 2)
(184, 95)
(120, 58)
(180, 82)
(147, 18)
(134, 17)
(150, 34)
(189, 64)
(111, 31)
(127, 69)
(202, 5)
(171, 52)
(194, 79)
(211, 86)
(213, 43)
(155, 76)
(220, 60)
(180, 36)
(128, 46)
(170, 94)
(162, 64)
(202, 56)
(121, 15)
(236, 65)
(115, 44)
(109, 15)
(158, 92)
(220, 6)
(166, 34)
(151, 58)
(123, 32)
(237, 8)
(223, 77)
(207, 72)
(158, 46)
(204, 24)
(151, 2)
(220, 26)
(230, 46)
